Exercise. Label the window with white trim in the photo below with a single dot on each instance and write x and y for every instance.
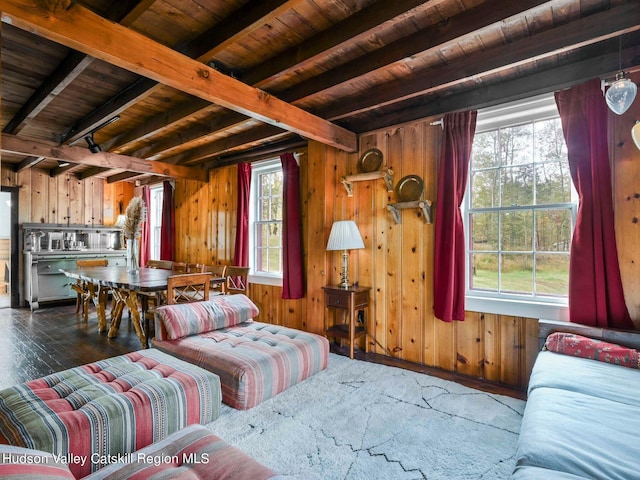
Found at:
(265, 220)
(520, 205)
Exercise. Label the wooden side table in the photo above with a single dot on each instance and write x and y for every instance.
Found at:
(347, 299)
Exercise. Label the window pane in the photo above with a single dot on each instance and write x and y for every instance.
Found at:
(517, 186)
(549, 141)
(484, 273)
(261, 235)
(485, 189)
(553, 230)
(517, 230)
(485, 152)
(276, 208)
(274, 235)
(553, 183)
(552, 274)
(484, 231)
(516, 273)
(516, 145)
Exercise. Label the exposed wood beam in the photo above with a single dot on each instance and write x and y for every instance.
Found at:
(27, 163)
(120, 102)
(157, 124)
(583, 32)
(66, 72)
(118, 177)
(79, 155)
(367, 21)
(59, 170)
(545, 81)
(419, 44)
(242, 22)
(72, 66)
(79, 28)
(189, 134)
(92, 172)
(227, 144)
(259, 153)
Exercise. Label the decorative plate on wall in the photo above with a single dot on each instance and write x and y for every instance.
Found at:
(370, 161)
(409, 188)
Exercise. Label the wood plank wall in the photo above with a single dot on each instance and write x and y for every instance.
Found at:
(625, 158)
(46, 199)
(397, 261)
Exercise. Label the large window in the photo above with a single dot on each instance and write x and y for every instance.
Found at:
(520, 205)
(265, 245)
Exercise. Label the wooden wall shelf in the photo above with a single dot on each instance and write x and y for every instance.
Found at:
(424, 205)
(387, 174)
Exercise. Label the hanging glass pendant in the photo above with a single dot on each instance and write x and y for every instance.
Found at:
(621, 94)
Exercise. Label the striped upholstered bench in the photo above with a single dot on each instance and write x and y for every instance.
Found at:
(190, 453)
(254, 360)
(88, 414)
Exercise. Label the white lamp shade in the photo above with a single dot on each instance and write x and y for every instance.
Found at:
(635, 134)
(344, 236)
(621, 94)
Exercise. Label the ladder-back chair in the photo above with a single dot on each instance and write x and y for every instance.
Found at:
(218, 271)
(86, 291)
(160, 264)
(191, 287)
(237, 280)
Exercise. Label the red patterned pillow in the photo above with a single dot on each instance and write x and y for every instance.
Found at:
(585, 347)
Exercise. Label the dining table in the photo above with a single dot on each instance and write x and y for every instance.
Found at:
(132, 289)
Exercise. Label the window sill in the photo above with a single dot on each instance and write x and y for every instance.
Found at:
(517, 308)
(266, 280)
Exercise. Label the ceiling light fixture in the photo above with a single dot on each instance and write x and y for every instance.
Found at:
(62, 163)
(93, 146)
(622, 92)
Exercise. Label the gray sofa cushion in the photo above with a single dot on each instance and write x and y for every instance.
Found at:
(586, 376)
(578, 434)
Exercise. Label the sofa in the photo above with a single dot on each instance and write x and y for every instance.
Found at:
(255, 361)
(192, 452)
(582, 416)
(111, 407)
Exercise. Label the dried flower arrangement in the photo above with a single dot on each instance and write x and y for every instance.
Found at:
(135, 215)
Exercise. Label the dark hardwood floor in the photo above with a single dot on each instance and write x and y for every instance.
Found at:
(54, 338)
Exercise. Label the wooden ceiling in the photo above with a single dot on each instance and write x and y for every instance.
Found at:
(196, 84)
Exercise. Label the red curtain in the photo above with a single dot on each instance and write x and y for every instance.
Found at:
(168, 226)
(595, 287)
(449, 268)
(241, 253)
(145, 235)
(292, 276)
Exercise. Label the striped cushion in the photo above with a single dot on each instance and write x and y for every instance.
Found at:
(191, 453)
(182, 320)
(24, 463)
(109, 407)
(254, 360)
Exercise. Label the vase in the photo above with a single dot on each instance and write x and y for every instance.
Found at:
(133, 261)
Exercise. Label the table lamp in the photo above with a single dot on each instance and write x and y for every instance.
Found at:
(344, 236)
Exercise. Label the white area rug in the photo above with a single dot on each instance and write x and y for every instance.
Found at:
(359, 420)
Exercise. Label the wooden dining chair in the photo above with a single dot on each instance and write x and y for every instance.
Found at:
(191, 287)
(160, 264)
(237, 280)
(184, 267)
(87, 291)
(217, 271)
